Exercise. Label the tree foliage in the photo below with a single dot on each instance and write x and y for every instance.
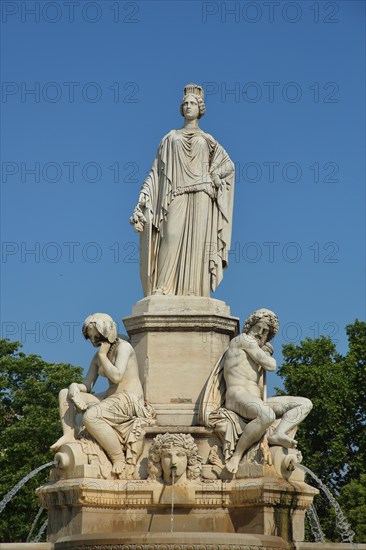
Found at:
(332, 438)
(353, 500)
(29, 424)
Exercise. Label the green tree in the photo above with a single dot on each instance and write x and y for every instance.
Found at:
(332, 438)
(29, 424)
(353, 499)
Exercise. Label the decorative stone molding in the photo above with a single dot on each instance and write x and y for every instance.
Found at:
(174, 541)
(173, 546)
(120, 494)
(186, 322)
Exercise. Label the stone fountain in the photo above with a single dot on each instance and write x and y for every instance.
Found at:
(183, 450)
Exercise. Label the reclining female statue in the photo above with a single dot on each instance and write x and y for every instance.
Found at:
(114, 418)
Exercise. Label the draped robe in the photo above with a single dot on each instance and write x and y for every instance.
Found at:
(185, 243)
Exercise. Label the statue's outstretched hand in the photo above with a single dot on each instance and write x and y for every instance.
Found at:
(75, 397)
(79, 404)
(137, 219)
(73, 391)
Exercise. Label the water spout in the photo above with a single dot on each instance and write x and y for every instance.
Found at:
(315, 524)
(172, 471)
(41, 531)
(7, 498)
(39, 513)
(343, 526)
(290, 462)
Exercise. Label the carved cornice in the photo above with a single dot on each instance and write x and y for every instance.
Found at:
(141, 494)
(164, 546)
(188, 323)
(197, 431)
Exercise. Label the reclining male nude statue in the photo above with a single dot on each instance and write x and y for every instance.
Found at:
(235, 404)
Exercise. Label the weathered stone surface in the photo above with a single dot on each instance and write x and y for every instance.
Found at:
(26, 546)
(174, 459)
(173, 541)
(178, 340)
(263, 506)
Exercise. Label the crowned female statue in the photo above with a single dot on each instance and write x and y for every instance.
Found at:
(184, 211)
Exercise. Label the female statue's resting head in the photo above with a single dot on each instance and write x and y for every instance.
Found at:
(174, 452)
(195, 92)
(99, 327)
(264, 316)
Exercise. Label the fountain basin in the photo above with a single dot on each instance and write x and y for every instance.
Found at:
(258, 507)
(172, 541)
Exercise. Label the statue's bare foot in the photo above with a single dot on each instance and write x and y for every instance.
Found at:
(283, 440)
(232, 464)
(69, 438)
(118, 467)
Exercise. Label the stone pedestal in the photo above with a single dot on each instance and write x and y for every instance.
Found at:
(172, 541)
(260, 502)
(265, 506)
(178, 340)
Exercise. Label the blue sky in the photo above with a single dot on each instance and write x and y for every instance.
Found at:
(285, 91)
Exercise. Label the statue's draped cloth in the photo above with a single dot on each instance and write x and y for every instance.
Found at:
(212, 412)
(185, 244)
(125, 413)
